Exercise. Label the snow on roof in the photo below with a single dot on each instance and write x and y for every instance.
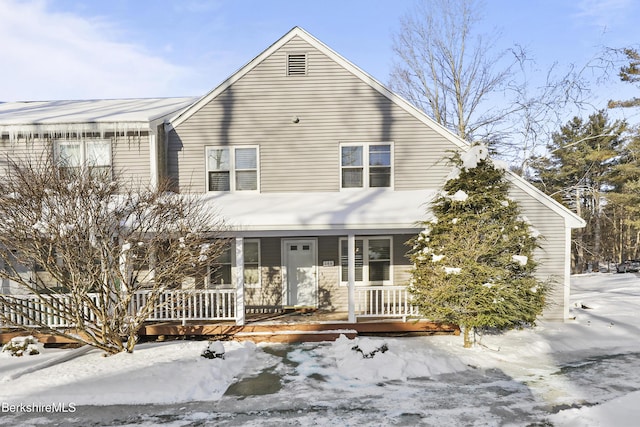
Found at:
(98, 115)
(375, 209)
(91, 111)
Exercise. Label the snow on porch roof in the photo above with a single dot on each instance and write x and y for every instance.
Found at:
(39, 117)
(374, 209)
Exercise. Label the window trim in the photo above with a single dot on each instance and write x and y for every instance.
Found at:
(366, 171)
(232, 167)
(234, 270)
(365, 261)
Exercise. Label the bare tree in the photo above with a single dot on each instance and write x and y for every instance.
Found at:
(90, 257)
(466, 83)
(444, 69)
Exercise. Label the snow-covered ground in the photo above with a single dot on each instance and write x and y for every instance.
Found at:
(585, 372)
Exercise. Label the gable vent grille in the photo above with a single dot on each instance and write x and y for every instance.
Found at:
(297, 64)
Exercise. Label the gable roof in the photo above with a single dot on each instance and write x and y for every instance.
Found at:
(353, 69)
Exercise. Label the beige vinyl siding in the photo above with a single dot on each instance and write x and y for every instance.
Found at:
(551, 254)
(131, 158)
(129, 154)
(333, 106)
(21, 150)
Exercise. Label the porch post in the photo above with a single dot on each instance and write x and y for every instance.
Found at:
(351, 276)
(239, 281)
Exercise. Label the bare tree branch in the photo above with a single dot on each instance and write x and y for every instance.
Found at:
(82, 245)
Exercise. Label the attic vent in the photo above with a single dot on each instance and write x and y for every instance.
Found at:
(297, 64)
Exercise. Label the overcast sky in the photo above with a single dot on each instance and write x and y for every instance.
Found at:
(86, 49)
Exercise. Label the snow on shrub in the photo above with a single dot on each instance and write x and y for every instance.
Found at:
(19, 346)
(215, 350)
(367, 359)
(369, 348)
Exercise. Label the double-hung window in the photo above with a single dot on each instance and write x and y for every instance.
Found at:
(372, 260)
(366, 165)
(222, 275)
(92, 154)
(232, 168)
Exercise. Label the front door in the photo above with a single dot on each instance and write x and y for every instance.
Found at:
(301, 286)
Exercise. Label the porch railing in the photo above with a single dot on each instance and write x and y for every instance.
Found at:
(201, 304)
(384, 301)
(183, 305)
(33, 311)
(187, 305)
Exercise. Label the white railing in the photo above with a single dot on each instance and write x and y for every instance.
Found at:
(200, 304)
(183, 305)
(50, 310)
(384, 301)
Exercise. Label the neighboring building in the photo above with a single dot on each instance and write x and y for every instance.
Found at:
(115, 134)
(321, 172)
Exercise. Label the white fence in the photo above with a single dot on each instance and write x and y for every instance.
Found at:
(183, 305)
(384, 301)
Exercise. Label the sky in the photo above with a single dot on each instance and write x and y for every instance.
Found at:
(86, 49)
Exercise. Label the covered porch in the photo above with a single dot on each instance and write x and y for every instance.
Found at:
(207, 314)
(340, 251)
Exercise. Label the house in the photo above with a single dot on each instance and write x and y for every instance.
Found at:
(321, 172)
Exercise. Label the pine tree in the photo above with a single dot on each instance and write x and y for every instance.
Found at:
(473, 263)
(587, 160)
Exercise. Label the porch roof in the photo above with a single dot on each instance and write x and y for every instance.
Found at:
(374, 209)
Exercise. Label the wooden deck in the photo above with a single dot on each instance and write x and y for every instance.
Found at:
(282, 328)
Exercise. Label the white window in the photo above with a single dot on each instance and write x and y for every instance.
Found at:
(95, 155)
(372, 258)
(232, 168)
(222, 276)
(366, 165)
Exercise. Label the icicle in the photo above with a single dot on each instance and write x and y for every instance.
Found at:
(30, 132)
